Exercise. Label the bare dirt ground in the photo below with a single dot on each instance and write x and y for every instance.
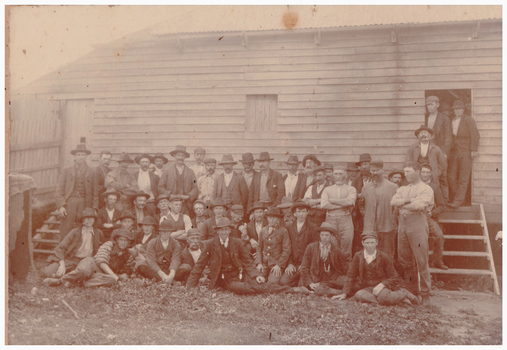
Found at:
(141, 312)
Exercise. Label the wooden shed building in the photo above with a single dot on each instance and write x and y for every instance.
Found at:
(334, 92)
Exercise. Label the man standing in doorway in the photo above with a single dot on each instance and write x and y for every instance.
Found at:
(440, 125)
(159, 161)
(247, 160)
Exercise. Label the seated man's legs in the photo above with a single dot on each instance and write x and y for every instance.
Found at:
(366, 295)
(389, 297)
(51, 269)
(183, 272)
(288, 280)
(83, 271)
(100, 279)
(148, 272)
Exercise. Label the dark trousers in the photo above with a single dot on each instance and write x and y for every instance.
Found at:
(74, 207)
(331, 287)
(459, 169)
(248, 286)
(181, 273)
(387, 243)
(436, 238)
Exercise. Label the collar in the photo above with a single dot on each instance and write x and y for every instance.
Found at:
(86, 229)
(212, 175)
(109, 211)
(248, 174)
(366, 255)
(144, 172)
(224, 243)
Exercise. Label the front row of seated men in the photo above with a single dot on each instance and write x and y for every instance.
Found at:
(224, 261)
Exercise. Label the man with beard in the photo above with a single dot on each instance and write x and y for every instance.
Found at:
(339, 200)
(301, 233)
(206, 183)
(254, 227)
(396, 177)
(99, 176)
(108, 216)
(464, 149)
(313, 196)
(147, 181)
(123, 182)
(140, 209)
(440, 125)
(436, 235)
(378, 213)
(362, 178)
(199, 167)
(189, 256)
(267, 186)
(328, 167)
(231, 186)
(158, 162)
(179, 179)
(310, 162)
(414, 201)
(247, 160)
(292, 179)
(424, 151)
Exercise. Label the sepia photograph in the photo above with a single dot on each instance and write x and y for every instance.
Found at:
(253, 175)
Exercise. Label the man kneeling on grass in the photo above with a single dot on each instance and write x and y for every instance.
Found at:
(323, 267)
(231, 267)
(112, 259)
(373, 272)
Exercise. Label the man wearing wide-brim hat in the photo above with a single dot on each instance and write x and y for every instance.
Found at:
(464, 149)
(352, 171)
(273, 250)
(439, 123)
(79, 243)
(140, 209)
(142, 238)
(372, 278)
(292, 180)
(189, 255)
(179, 179)
(287, 215)
(310, 162)
(267, 185)
(122, 181)
(396, 177)
(159, 160)
(324, 269)
(108, 216)
(74, 190)
(313, 195)
(230, 186)
(147, 181)
(248, 161)
(219, 209)
(257, 222)
(425, 151)
(231, 267)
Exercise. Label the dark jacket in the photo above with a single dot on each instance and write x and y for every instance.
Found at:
(273, 249)
(275, 188)
(467, 138)
(238, 190)
(212, 256)
(442, 132)
(68, 247)
(167, 184)
(103, 218)
(186, 257)
(146, 212)
(157, 253)
(251, 231)
(439, 206)
(138, 239)
(300, 240)
(99, 177)
(310, 269)
(436, 157)
(154, 179)
(65, 186)
(356, 275)
(301, 182)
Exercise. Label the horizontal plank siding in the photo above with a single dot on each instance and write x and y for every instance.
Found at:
(357, 91)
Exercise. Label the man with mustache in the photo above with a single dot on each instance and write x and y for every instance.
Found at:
(310, 162)
(292, 179)
(147, 181)
(189, 255)
(396, 177)
(267, 186)
(439, 123)
(206, 183)
(247, 160)
(158, 163)
(140, 208)
(378, 213)
(123, 182)
(199, 167)
(313, 196)
(339, 200)
(425, 152)
(230, 186)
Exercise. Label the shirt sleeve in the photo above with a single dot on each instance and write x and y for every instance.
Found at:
(352, 195)
(104, 253)
(308, 193)
(188, 222)
(324, 199)
(423, 198)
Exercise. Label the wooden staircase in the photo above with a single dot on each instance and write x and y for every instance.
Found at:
(46, 238)
(456, 223)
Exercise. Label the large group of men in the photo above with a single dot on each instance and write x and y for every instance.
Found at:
(339, 230)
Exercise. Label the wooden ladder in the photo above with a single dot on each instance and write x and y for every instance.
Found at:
(473, 215)
(45, 237)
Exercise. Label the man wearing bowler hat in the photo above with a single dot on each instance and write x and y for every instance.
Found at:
(99, 176)
(439, 123)
(230, 186)
(147, 181)
(287, 215)
(122, 181)
(248, 161)
(199, 167)
(159, 160)
(425, 152)
(465, 144)
(292, 179)
(206, 183)
(313, 195)
(267, 185)
(108, 216)
(74, 190)
(179, 179)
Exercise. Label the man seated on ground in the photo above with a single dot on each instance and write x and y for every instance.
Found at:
(273, 250)
(372, 278)
(199, 221)
(254, 227)
(436, 236)
(219, 208)
(108, 216)
(231, 267)
(112, 259)
(301, 233)
(189, 255)
(79, 243)
(163, 255)
(142, 238)
(287, 214)
(323, 268)
(181, 221)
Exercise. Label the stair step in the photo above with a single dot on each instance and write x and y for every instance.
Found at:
(479, 238)
(461, 272)
(43, 251)
(47, 231)
(461, 253)
(40, 240)
(55, 213)
(49, 222)
(458, 221)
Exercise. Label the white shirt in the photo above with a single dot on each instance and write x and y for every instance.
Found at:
(110, 214)
(455, 125)
(226, 243)
(144, 183)
(86, 248)
(158, 172)
(369, 258)
(195, 254)
(165, 244)
(258, 227)
(227, 178)
(324, 251)
(431, 120)
(290, 184)
(309, 179)
(145, 237)
(180, 168)
(300, 225)
(424, 149)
